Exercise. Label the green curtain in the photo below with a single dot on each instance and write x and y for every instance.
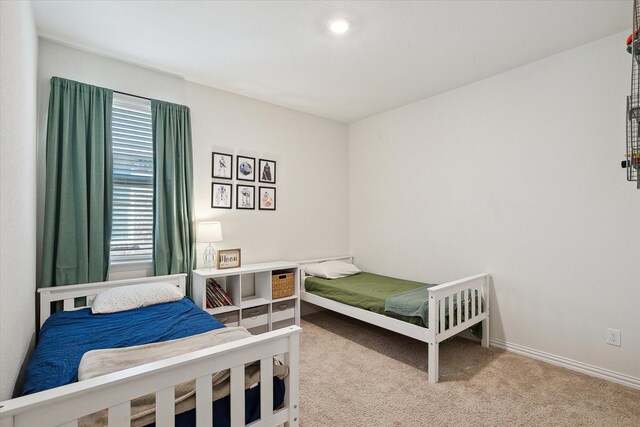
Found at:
(77, 213)
(174, 234)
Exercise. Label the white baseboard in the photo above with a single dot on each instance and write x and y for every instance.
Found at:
(574, 365)
(564, 362)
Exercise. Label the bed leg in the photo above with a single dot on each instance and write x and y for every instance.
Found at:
(432, 367)
(292, 381)
(485, 333)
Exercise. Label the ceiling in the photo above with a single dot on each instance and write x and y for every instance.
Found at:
(281, 52)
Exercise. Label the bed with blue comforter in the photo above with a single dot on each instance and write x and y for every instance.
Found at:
(67, 335)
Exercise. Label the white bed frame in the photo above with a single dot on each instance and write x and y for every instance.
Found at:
(63, 406)
(437, 331)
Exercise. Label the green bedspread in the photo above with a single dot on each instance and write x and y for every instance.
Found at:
(386, 295)
(367, 291)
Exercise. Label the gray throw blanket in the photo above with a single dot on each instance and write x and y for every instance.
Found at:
(413, 303)
(101, 362)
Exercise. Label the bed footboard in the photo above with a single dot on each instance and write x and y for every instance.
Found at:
(454, 307)
(64, 406)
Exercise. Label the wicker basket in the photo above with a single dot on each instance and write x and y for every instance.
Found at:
(282, 284)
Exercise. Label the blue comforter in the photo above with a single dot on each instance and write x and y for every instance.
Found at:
(67, 335)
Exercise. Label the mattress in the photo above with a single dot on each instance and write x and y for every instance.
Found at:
(364, 290)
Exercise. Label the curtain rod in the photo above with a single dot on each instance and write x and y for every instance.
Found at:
(130, 94)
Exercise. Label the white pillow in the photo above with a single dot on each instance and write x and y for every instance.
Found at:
(331, 269)
(134, 296)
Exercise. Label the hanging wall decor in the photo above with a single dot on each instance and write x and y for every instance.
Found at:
(632, 160)
(267, 198)
(221, 165)
(246, 168)
(267, 171)
(221, 195)
(245, 196)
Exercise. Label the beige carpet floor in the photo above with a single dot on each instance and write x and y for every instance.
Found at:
(355, 374)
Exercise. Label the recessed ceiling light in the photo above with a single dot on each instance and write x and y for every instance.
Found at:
(339, 26)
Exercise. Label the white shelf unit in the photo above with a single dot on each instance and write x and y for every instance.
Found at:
(249, 287)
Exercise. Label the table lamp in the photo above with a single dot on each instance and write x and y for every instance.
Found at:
(209, 232)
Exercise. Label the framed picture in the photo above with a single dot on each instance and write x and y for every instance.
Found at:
(221, 195)
(267, 198)
(221, 165)
(246, 170)
(267, 171)
(227, 258)
(245, 196)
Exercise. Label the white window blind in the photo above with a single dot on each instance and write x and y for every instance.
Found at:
(132, 145)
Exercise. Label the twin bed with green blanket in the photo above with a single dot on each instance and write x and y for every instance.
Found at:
(380, 294)
(429, 313)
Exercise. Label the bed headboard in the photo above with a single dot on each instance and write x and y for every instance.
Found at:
(345, 258)
(86, 292)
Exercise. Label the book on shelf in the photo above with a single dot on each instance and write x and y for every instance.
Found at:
(212, 301)
(216, 295)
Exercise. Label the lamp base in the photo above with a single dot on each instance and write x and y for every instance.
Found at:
(209, 257)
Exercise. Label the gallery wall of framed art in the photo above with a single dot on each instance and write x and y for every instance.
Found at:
(239, 173)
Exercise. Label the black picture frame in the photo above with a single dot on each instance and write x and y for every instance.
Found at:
(264, 175)
(262, 203)
(241, 170)
(215, 161)
(216, 203)
(242, 197)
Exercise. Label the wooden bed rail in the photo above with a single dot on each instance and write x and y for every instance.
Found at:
(454, 307)
(63, 406)
(345, 258)
(456, 284)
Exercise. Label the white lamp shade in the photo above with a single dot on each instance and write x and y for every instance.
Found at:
(209, 232)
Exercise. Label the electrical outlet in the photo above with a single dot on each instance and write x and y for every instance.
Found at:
(613, 337)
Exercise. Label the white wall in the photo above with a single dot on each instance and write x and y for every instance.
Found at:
(311, 219)
(518, 175)
(18, 56)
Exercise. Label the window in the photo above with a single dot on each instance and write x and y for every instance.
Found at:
(132, 146)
